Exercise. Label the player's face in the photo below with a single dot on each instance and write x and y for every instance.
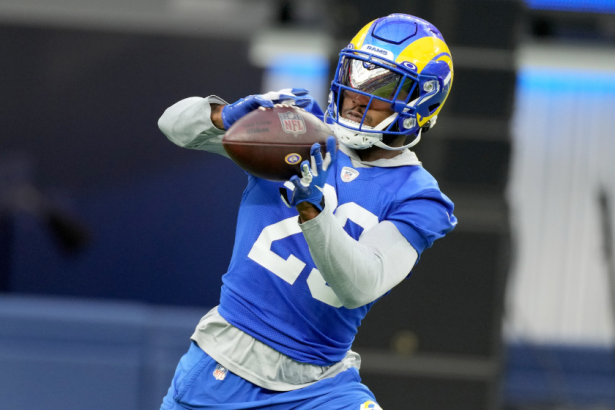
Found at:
(371, 79)
(354, 105)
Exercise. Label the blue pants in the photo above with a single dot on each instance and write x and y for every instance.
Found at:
(195, 386)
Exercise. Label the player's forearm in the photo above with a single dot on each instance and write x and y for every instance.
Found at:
(306, 211)
(216, 115)
(358, 272)
(188, 124)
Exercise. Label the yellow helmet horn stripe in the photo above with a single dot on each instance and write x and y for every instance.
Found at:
(423, 50)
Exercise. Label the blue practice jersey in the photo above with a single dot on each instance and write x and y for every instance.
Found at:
(273, 290)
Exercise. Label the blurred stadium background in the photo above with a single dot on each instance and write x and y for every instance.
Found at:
(112, 244)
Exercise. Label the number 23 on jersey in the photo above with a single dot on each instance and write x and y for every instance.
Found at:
(289, 269)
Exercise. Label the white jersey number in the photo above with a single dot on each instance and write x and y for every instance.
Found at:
(289, 269)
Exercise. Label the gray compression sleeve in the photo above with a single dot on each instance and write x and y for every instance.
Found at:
(358, 272)
(187, 124)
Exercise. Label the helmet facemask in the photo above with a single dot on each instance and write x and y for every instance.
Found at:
(380, 84)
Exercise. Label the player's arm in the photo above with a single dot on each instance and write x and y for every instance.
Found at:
(200, 123)
(359, 272)
(216, 115)
(189, 124)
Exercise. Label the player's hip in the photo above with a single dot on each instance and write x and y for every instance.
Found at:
(201, 383)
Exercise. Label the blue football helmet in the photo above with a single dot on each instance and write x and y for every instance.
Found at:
(400, 60)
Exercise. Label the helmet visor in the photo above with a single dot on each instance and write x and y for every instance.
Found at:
(374, 78)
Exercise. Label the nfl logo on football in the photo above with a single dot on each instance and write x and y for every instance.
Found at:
(220, 372)
(292, 123)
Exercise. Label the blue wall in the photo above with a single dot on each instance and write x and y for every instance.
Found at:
(574, 376)
(72, 354)
(162, 239)
(82, 107)
(595, 6)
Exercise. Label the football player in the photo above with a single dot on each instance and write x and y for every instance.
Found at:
(297, 288)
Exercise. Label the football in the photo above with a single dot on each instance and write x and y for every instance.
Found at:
(271, 143)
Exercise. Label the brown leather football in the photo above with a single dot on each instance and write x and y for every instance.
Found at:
(271, 143)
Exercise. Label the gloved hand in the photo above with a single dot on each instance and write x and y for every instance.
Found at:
(291, 96)
(310, 187)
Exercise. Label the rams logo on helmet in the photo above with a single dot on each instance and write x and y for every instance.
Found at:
(409, 65)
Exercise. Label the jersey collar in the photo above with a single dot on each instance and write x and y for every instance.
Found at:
(406, 158)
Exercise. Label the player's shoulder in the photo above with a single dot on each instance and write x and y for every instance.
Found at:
(416, 182)
(418, 178)
(410, 180)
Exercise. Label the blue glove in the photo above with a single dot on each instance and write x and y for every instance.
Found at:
(310, 187)
(291, 96)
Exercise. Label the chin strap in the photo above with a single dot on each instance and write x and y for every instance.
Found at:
(415, 141)
(383, 124)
